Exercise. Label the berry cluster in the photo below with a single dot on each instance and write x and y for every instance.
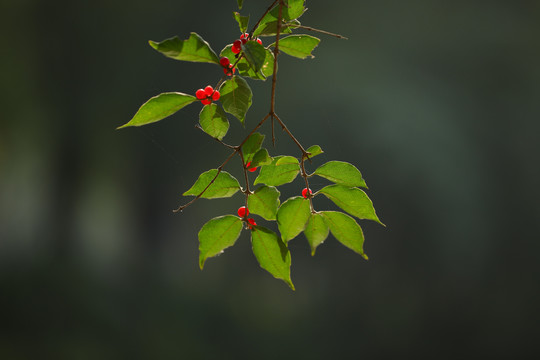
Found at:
(228, 68)
(244, 212)
(207, 95)
(237, 45)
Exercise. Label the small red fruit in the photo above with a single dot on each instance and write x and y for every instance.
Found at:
(206, 101)
(244, 41)
(200, 94)
(243, 211)
(252, 222)
(259, 41)
(304, 193)
(224, 61)
(215, 95)
(208, 90)
(250, 169)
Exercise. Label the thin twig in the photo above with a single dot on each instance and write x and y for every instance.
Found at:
(296, 26)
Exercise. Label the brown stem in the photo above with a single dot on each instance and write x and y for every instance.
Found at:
(304, 152)
(262, 17)
(305, 176)
(316, 30)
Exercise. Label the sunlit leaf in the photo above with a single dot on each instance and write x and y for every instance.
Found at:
(352, 200)
(242, 21)
(316, 231)
(217, 235)
(214, 121)
(292, 10)
(272, 253)
(292, 217)
(264, 202)
(224, 185)
(282, 170)
(236, 97)
(314, 150)
(260, 158)
(299, 46)
(346, 230)
(341, 173)
(244, 68)
(193, 49)
(159, 107)
(251, 146)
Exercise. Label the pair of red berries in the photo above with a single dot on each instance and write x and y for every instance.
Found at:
(228, 68)
(207, 95)
(243, 212)
(250, 169)
(237, 45)
(305, 193)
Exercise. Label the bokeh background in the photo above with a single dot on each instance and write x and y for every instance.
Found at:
(436, 102)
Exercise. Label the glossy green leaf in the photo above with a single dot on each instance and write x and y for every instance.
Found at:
(242, 21)
(272, 253)
(224, 185)
(352, 200)
(314, 150)
(217, 235)
(159, 107)
(282, 170)
(292, 217)
(255, 54)
(299, 46)
(264, 202)
(236, 97)
(260, 158)
(251, 146)
(193, 49)
(214, 121)
(346, 230)
(316, 231)
(292, 10)
(341, 173)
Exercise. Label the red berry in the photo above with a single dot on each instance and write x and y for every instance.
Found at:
(208, 90)
(243, 211)
(252, 222)
(224, 61)
(235, 49)
(244, 41)
(200, 94)
(259, 41)
(244, 35)
(215, 95)
(304, 193)
(250, 169)
(206, 101)
(237, 44)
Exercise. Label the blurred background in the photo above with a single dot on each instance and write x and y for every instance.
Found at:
(436, 102)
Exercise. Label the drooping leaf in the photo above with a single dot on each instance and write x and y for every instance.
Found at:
(342, 173)
(272, 253)
(292, 217)
(292, 10)
(260, 158)
(224, 185)
(299, 46)
(282, 170)
(264, 202)
(251, 146)
(217, 235)
(352, 200)
(236, 97)
(255, 54)
(316, 231)
(214, 121)
(346, 230)
(242, 21)
(314, 150)
(159, 107)
(195, 49)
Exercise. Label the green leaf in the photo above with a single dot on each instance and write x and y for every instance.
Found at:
(352, 200)
(346, 230)
(316, 231)
(292, 217)
(261, 157)
(244, 69)
(341, 173)
(251, 146)
(299, 46)
(224, 185)
(242, 21)
(240, 3)
(282, 170)
(264, 202)
(292, 10)
(272, 254)
(314, 151)
(255, 54)
(214, 121)
(159, 107)
(217, 235)
(236, 97)
(268, 65)
(193, 49)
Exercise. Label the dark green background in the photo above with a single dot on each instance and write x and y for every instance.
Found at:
(436, 102)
